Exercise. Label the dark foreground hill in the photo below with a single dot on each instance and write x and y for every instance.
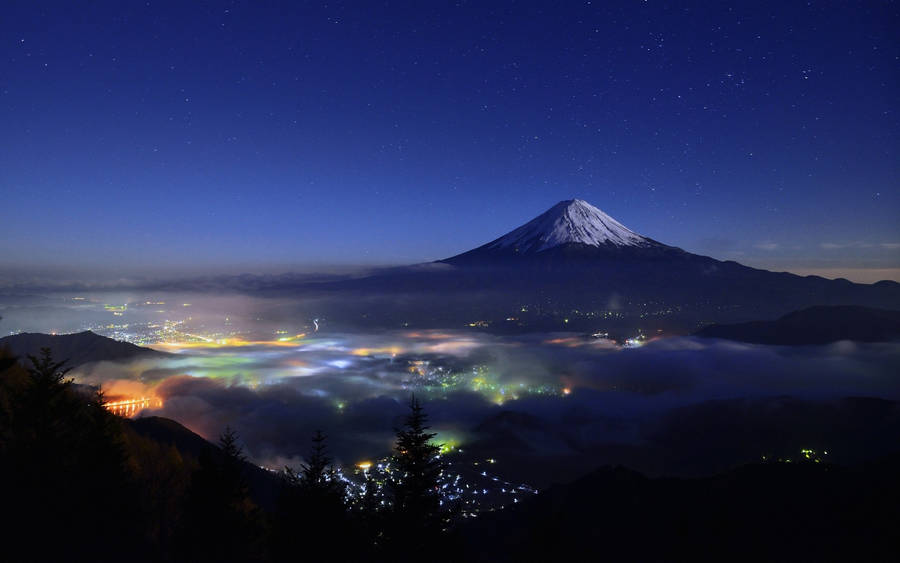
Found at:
(263, 484)
(816, 325)
(781, 511)
(79, 483)
(78, 348)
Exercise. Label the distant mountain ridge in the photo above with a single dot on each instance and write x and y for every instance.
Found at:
(78, 348)
(577, 263)
(816, 325)
(572, 267)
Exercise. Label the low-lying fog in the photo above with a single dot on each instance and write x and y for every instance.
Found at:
(276, 370)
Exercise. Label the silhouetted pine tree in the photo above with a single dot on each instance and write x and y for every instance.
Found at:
(221, 522)
(369, 516)
(417, 519)
(288, 536)
(48, 397)
(233, 463)
(63, 461)
(312, 516)
(46, 371)
(316, 473)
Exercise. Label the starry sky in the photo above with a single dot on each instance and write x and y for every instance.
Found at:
(179, 137)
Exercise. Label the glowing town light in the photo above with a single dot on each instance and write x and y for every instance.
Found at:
(233, 342)
(130, 407)
(449, 441)
(391, 350)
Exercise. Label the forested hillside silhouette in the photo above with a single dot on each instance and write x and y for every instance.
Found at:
(80, 483)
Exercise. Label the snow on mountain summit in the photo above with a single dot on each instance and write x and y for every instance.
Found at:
(571, 221)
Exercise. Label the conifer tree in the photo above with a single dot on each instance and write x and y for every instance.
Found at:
(417, 518)
(47, 371)
(369, 515)
(49, 390)
(62, 455)
(233, 463)
(311, 513)
(316, 472)
(319, 483)
(221, 521)
(418, 465)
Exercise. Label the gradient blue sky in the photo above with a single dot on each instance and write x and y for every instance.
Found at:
(161, 137)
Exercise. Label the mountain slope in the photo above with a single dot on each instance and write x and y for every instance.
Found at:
(263, 484)
(816, 325)
(570, 222)
(576, 251)
(79, 348)
(574, 229)
(774, 512)
(574, 264)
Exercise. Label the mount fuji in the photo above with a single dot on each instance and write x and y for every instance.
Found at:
(574, 227)
(570, 222)
(575, 262)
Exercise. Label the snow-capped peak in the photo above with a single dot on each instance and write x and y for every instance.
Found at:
(571, 221)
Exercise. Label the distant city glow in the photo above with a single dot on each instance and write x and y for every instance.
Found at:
(132, 407)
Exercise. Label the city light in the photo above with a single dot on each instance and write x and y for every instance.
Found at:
(130, 407)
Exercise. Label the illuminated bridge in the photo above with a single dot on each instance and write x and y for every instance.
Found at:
(130, 407)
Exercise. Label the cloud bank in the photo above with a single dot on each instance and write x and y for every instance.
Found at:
(573, 394)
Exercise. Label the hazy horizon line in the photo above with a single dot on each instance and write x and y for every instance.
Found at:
(78, 279)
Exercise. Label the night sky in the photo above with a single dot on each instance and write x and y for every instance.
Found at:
(182, 137)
